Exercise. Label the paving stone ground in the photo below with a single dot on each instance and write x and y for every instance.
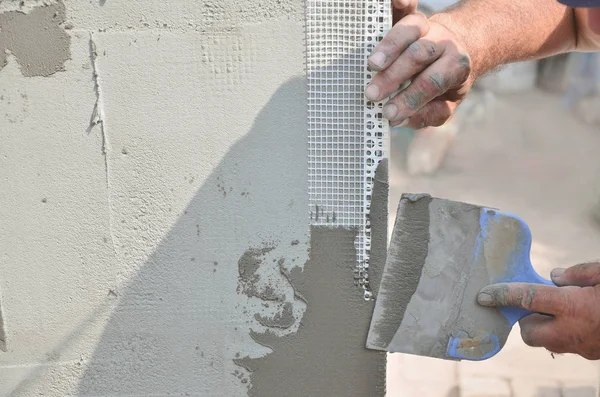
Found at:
(529, 157)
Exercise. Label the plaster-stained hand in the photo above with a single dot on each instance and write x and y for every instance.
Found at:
(573, 307)
(433, 58)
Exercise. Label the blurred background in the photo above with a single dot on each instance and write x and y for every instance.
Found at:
(527, 141)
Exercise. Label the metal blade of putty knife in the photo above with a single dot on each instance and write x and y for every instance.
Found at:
(441, 254)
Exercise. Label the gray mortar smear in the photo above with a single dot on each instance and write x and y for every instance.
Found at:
(406, 257)
(326, 356)
(379, 225)
(37, 40)
(283, 319)
(248, 266)
(2, 331)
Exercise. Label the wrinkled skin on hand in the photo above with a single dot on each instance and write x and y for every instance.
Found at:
(572, 308)
(430, 57)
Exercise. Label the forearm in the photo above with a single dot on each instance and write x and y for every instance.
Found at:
(496, 32)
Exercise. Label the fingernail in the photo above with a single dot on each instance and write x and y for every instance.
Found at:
(372, 92)
(378, 59)
(557, 273)
(485, 299)
(390, 111)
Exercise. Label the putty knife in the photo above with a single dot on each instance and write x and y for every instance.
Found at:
(441, 254)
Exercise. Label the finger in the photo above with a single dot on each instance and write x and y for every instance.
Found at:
(434, 114)
(594, 19)
(447, 72)
(402, 8)
(583, 275)
(538, 330)
(404, 33)
(418, 56)
(534, 297)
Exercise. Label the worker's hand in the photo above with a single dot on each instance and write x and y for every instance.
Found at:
(574, 306)
(435, 61)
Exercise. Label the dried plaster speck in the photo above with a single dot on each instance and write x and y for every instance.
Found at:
(37, 40)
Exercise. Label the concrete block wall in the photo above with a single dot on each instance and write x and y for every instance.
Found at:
(153, 179)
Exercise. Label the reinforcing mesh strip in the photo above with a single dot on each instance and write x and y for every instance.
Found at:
(346, 131)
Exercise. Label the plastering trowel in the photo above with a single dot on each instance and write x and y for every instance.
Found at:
(441, 254)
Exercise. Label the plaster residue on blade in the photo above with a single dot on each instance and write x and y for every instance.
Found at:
(476, 326)
(405, 260)
(444, 304)
(434, 307)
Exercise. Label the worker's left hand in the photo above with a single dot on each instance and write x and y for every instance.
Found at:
(574, 305)
(429, 56)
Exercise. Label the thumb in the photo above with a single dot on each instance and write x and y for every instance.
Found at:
(402, 8)
(533, 297)
(402, 4)
(583, 275)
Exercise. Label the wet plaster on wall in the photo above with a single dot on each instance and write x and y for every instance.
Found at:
(37, 40)
(24, 5)
(326, 355)
(379, 225)
(2, 330)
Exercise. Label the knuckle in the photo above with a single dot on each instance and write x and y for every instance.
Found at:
(589, 268)
(464, 61)
(415, 98)
(419, 19)
(502, 295)
(397, 41)
(528, 297)
(422, 52)
(461, 69)
(566, 305)
(385, 79)
(437, 83)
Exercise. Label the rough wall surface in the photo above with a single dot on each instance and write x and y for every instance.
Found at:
(153, 179)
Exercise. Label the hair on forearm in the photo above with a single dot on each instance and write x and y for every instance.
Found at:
(497, 32)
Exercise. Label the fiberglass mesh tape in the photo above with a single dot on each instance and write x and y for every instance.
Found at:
(346, 132)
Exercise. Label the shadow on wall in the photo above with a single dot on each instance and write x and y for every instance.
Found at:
(173, 323)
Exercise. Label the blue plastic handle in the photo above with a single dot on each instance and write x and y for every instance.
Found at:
(518, 269)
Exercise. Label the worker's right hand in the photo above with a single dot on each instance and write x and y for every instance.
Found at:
(574, 306)
(436, 62)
